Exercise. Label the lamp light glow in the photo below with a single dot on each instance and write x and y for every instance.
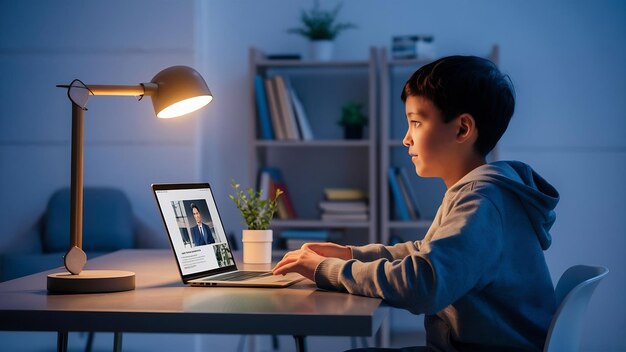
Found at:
(184, 107)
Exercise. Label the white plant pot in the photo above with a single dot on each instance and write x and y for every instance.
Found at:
(257, 246)
(321, 50)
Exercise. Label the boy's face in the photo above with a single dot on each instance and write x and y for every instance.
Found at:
(431, 142)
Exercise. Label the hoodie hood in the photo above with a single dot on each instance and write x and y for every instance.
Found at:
(538, 197)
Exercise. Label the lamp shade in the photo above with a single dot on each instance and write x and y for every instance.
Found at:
(180, 91)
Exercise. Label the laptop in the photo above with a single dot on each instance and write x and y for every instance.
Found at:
(203, 254)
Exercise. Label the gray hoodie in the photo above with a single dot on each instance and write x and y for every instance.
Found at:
(479, 274)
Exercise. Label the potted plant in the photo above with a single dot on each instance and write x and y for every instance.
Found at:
(319, 27)
(257, 213)
(353, 120)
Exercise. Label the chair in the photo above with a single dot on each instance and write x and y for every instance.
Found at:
(108, 225)
(573, 293)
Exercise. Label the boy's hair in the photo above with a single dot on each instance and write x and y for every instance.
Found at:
(467, 84)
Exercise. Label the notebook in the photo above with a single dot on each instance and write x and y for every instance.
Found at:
(200, 245)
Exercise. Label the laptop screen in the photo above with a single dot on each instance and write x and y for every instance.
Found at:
(194, 226)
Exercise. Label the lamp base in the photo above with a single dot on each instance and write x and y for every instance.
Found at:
(91, 281)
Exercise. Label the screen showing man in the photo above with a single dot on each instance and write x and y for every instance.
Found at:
(195, 229)
(201, 234)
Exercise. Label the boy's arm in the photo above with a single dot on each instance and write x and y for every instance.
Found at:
(372, 252)
(375, 251)
(463, 251)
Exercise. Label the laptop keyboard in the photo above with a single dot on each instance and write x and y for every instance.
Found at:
(240, 276)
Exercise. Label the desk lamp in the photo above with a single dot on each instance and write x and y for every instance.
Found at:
(175, 91)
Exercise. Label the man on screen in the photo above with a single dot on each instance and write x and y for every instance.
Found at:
(201, 234)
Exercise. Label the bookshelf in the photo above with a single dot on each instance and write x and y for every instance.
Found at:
(313, 144)
(327, 160)
(428, 192)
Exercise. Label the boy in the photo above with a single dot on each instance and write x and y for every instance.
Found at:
(479, 274)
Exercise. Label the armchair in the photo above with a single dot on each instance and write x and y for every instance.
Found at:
(108, 225)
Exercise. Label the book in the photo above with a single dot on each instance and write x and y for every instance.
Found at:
(301, 117)
(405, 195)
(413, 200)
(294, 239)
(344, 206)
(286, 109)
(322, 235)
(264, 184)
(286, 210)
(285, 199)
(344, 217)
(272, 99)
(292, 107)
(283, 57)
(402, 213)
(262, 109)
(344, 194)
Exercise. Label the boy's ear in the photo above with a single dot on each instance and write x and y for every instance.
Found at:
(466, 127)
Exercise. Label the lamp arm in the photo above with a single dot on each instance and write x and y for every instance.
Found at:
(147, 89)
(75, 258)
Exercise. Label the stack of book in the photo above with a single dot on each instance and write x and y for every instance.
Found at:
(404, 47)
(402, 195)
(271, 179)
(344, 204)
(294, 239)
(280, 111)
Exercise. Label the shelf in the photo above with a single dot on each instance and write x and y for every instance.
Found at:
(410, 224)
(314, 223)
(310, 64)
(313, 143)
(409, 62)
(314, 167)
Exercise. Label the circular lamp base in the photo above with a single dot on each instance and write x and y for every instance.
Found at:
(91, 281)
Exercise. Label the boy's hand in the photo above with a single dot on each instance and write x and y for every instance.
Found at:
(302, 261)
(329, 250)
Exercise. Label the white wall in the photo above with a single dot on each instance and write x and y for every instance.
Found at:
(566, 59)
(43, 44)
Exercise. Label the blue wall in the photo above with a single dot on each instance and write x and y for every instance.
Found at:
(44, 44)
(566, 59)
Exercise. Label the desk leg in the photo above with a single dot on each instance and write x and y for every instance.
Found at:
(117, 342)
(383, 335)
(300, 343)
(62, 337)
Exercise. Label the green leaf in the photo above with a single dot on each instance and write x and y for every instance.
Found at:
(319, 24)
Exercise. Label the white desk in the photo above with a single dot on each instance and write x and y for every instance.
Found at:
(161, 303)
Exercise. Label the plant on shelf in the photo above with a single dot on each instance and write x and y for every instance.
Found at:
(353, 120)
(318, 25)
(256, 211)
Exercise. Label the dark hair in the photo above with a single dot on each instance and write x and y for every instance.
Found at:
(193, 205)
(467, 84)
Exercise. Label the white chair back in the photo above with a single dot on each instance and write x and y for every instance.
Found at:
(573, 293)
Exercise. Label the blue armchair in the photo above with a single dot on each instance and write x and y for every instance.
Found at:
(108, 225)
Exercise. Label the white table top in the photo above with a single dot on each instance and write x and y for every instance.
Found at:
(161, 303)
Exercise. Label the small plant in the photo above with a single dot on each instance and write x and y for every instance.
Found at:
(352, 116)
(319, 24)
(256, 211)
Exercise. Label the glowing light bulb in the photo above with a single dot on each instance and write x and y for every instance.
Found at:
(184, 107)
